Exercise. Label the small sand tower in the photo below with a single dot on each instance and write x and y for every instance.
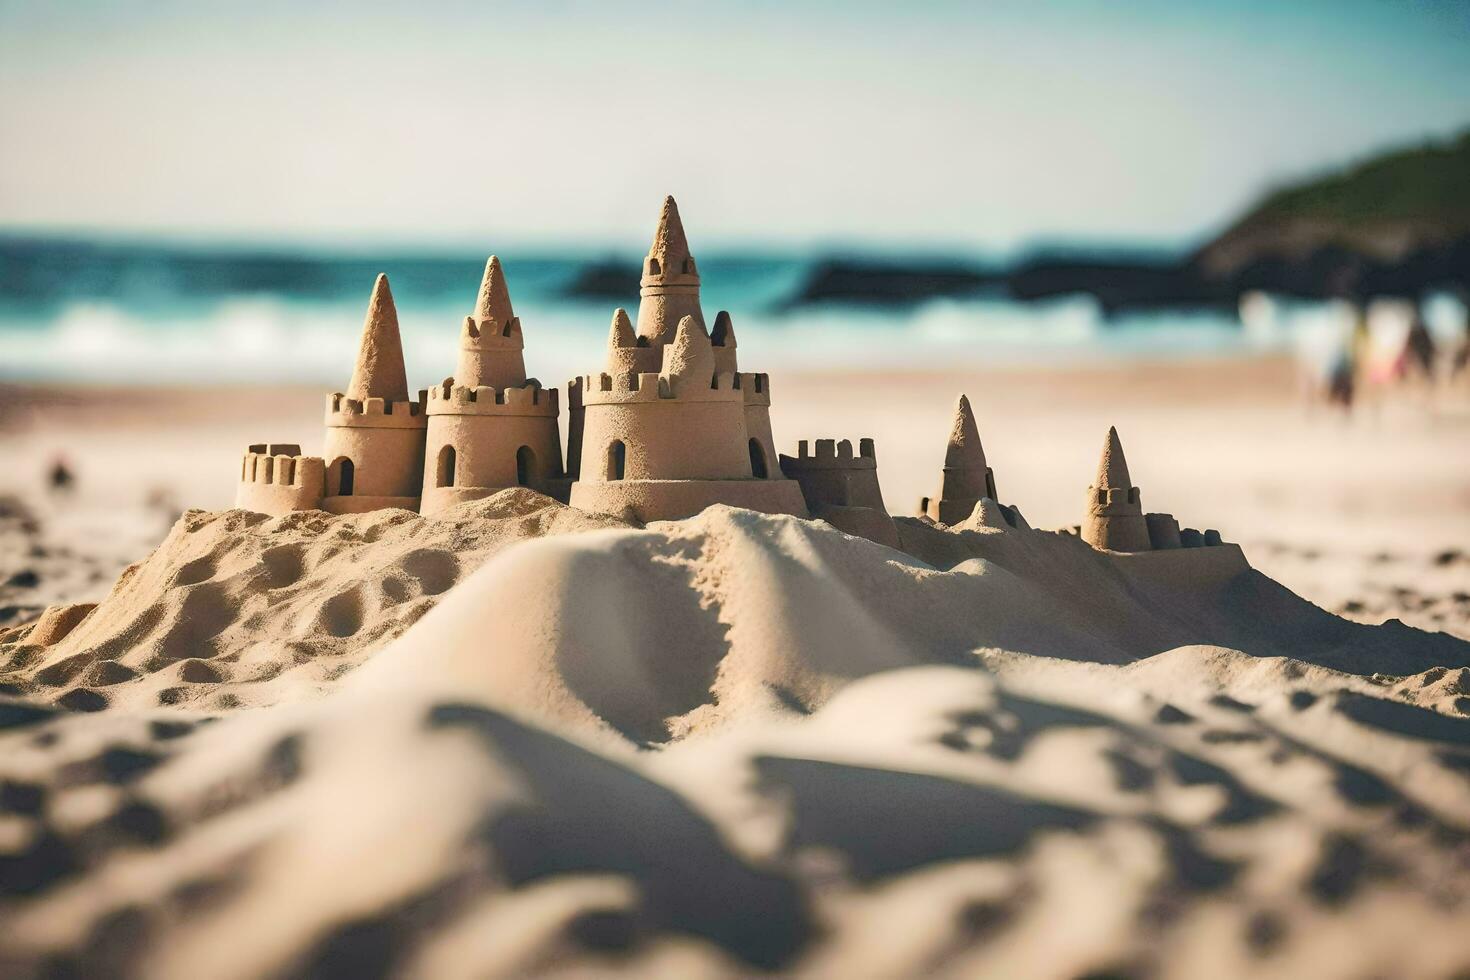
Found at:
(375, 434)
(669, 289)
(842, 489)
(491, 427)
(967, 478)
(1114, 519)
(671, 426)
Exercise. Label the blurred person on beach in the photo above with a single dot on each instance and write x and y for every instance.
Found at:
(59, 478)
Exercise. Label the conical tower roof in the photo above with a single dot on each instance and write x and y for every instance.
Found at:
(689, 355)
(669, 242)
(1112, 469)
(622, 334)
(670, 284)
(494, 299)
(964, 450)
(379, 371)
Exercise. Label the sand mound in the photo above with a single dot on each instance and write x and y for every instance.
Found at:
(238, 609)
(742, 743)
(656, 633)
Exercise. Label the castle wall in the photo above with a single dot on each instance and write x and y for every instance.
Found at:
(278, 483)
(842, 489)
(1163, 531)
(485, 455)
(386, 462)
(667, 438)
(833, 475)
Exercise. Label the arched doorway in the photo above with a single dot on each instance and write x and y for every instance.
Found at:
(345, 476)
(445, 475)
(526, 473)
(757, 459)
(617, 461)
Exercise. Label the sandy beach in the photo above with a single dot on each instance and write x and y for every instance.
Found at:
(1019, 529)
(519, 739)
(1202, 773)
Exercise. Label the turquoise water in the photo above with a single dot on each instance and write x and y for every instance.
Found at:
(145, 314)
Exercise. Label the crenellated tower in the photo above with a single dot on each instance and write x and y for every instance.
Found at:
(490, 427)
(669, 289)
(672, 425)
(374, 449)
(842, 489)
(1114, 520)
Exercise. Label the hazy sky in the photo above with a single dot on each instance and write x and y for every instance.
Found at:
(989, 124)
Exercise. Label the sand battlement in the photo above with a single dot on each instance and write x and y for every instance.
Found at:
(488, 333)
(831, 454)
(448, 398)
(277, 479)
(841, 487)
(377, 413)
(1108, 500)
(650, 386)
(754, 387)
(267, 466)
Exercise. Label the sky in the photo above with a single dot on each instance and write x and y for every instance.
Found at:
(991, 126)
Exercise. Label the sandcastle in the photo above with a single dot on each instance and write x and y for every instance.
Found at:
(669, 427)
(966, 478)
(672, 425)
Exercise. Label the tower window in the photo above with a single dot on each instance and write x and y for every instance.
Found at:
(525, 466)
(617, 460)
(757, 459)
(653, 267)
(346, 474)
(445, 474)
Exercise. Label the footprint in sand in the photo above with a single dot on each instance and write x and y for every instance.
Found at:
(342, 614)
(284, 565)
(196, 571)
(435, 571)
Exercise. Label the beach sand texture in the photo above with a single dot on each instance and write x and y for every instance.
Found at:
(517, 739)
(733, 743)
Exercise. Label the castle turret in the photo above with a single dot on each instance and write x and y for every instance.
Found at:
(375, 435)
(671, 427)
(842, 489)
(722, 336)
(491, 427)
(490, 341)
(966, 476)
(1114, 520)
(670, 284)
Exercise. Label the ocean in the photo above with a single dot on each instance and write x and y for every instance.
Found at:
(138, 313)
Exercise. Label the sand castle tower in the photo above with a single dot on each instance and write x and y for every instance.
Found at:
(489, 426)
(966, 478)
(842, 489)
(1114, 519)
(669, 289)
(375, 435)
(672, 426)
